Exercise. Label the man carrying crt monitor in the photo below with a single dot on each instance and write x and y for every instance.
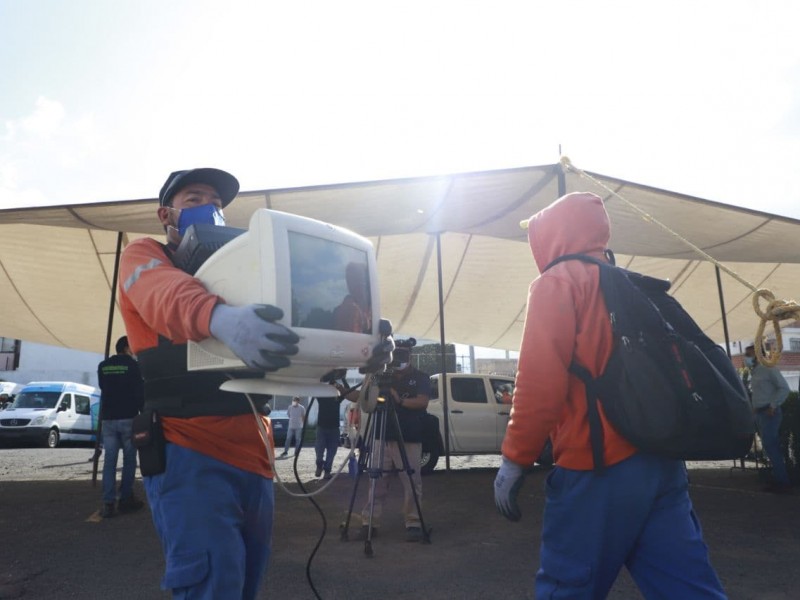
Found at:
(210, 485)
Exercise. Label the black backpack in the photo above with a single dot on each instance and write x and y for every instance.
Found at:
(667, 388)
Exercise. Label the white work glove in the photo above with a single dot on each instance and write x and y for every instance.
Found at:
(251, 333)
(382, 353)
(506, 487)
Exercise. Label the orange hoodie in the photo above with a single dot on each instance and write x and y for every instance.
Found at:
(156, 298)
(566, 318)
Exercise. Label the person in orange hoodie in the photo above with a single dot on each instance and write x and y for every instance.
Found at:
(637, 511)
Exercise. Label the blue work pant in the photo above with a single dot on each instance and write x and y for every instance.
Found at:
(215, 525)
(636, 513)
(118, 435)
(768, 428)
(326, 446)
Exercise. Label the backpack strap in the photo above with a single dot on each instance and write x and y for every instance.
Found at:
(581, 257)
(596, 436)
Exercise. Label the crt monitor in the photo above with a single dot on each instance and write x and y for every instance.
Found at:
(324, 278)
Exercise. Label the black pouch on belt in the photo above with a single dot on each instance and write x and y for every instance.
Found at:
(148, 437)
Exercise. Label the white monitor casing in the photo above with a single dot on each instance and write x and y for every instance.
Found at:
(254, 268)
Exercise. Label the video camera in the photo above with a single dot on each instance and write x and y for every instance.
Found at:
(402, 354)
(401, 357)
(381, 382)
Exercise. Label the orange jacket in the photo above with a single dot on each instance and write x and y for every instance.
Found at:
(566, 318)
(156, 298)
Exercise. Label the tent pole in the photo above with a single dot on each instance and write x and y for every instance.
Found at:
(722, 308)
(98, 436)
(445, 411)
(113, 294)
(562, 179)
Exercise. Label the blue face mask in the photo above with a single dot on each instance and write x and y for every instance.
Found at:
(750, 361)
(207, 213)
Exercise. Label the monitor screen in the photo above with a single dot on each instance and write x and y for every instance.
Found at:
(323, 277)
(330, 285)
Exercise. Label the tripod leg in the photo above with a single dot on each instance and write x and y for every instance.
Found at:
(366, 445)
(375, 472)
(401, 444)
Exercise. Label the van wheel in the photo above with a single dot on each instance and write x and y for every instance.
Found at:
(53, 438)
(428, 461)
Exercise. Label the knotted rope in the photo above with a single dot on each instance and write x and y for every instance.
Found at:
(776, 310)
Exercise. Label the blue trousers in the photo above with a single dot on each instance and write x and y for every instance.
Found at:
(768, 428)
(326, 446)
(215, 525)
(118, 435)
(638, 514)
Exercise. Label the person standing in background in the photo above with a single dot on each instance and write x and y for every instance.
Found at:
(769, 391)
(328, 432)
(297, 414)
(122, 398)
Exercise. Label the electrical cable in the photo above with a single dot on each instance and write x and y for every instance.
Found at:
(313, 501)
(304, 493)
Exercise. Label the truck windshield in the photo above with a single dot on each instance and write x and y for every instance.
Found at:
(36, 400)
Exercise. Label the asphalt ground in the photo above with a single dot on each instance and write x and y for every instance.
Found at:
(54, 545)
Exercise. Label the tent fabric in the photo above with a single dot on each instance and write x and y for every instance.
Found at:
(57, 263)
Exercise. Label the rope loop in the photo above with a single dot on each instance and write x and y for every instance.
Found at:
(776, 311)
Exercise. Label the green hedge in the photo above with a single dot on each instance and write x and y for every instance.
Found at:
(790, 435)
(428, 358)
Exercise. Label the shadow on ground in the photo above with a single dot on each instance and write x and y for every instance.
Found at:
(51, 546)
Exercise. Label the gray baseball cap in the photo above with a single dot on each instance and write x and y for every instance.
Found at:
(227, 185)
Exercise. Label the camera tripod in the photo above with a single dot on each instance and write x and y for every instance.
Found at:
(371, 462)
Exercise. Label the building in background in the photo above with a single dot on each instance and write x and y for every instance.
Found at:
(22, 361)
(497, 366)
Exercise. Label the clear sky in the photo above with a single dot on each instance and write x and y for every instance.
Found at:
(100, 100)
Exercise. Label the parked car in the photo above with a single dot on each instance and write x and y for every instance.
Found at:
(280, 426)
(478, 407)
(48, 412)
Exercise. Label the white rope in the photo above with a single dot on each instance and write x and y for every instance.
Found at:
(776, 311)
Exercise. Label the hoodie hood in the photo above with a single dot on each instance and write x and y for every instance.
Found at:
(575, 223)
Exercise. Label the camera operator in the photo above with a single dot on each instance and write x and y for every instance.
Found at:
(409, 390)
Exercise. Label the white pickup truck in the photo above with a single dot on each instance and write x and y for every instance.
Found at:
(478, 407)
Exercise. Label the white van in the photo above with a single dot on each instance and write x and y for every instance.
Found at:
(48, 412)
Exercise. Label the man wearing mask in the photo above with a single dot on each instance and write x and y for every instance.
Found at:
(212, 504)
(210, 490)
(294, 434)
(769, 391)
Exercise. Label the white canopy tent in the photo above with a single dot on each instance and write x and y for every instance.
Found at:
(57, 263)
